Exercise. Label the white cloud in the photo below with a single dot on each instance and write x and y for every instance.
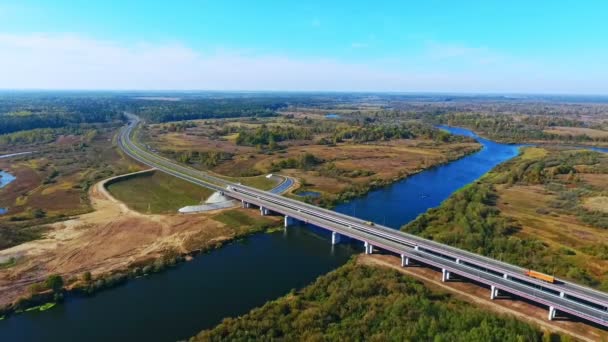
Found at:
(44, 61)
(74, 62)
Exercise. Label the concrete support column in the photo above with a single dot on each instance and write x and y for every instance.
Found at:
(263, 211)
(405, 261)
(506, 276)
(445, 275)
(416, 248)
(458, 261)
(493, 292)
(561, 294)
(335, 238)
(552, 312)
(287, 221)
(244, 204)
(368, 248)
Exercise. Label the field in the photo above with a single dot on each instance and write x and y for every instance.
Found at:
(347, 167)
(578, 131)
(52, 184)
(114, 239)
(157, 193)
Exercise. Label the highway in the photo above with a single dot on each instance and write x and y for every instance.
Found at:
(564, 296)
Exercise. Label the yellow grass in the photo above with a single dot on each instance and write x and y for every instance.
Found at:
(599, 203)
(57, 187)
(575, 131)
(533, 153)
(522, 202)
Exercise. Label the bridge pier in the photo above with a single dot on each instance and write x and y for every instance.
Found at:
(552, 313)
(562, 295)
(405, 261)
(263, 211)
(368, 248)
(506, 276)
(245, 204)
(335, 238)
(445, 275)
(493, 292)
(288, 221)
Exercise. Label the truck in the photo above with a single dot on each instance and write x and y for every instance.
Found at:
(541, 276)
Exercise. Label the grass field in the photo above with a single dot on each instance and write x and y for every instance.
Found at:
(259, 182)
(157, 193)
(575, 131)
(346, 167)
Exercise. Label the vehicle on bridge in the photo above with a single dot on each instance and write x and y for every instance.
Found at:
(541, 276)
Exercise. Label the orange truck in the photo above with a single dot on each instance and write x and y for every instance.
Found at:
(541, 276)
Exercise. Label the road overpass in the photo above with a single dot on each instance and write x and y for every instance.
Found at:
(560, 297)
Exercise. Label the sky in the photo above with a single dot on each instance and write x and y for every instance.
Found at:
(386, 46)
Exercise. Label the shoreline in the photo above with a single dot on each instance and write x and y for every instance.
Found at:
(120, 277)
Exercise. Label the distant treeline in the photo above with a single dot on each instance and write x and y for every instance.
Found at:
(26, 113)
(512, 128)
(357, 132)
(164, 111)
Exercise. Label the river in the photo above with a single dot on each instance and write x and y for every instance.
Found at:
(238, 277)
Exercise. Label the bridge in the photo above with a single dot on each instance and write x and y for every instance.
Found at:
(559, 297)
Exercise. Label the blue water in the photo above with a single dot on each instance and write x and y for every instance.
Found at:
(402, 202)
(598, 149)
(234, 279)
(332, 116)
(5, 179)
(308, 193)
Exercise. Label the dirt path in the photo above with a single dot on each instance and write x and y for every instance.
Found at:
(480, 296)
(107, 239)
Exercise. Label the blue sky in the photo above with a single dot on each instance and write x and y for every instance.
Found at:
(464, 46)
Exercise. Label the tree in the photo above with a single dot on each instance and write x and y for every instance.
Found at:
(54, 282)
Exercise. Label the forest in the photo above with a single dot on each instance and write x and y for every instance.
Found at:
(364, 303)
(191, 109)
(19, 113)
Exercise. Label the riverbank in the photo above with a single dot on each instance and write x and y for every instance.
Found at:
(203, 291)
(114, 243)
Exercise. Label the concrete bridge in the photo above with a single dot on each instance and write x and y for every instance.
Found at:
(559, 297)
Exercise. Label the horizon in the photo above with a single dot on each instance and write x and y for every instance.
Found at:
(471, 47)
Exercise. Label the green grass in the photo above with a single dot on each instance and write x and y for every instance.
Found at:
(42, 307)
(258, 182)
(9, 263)
(157, 193)
(47, 306)
(236, 219)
